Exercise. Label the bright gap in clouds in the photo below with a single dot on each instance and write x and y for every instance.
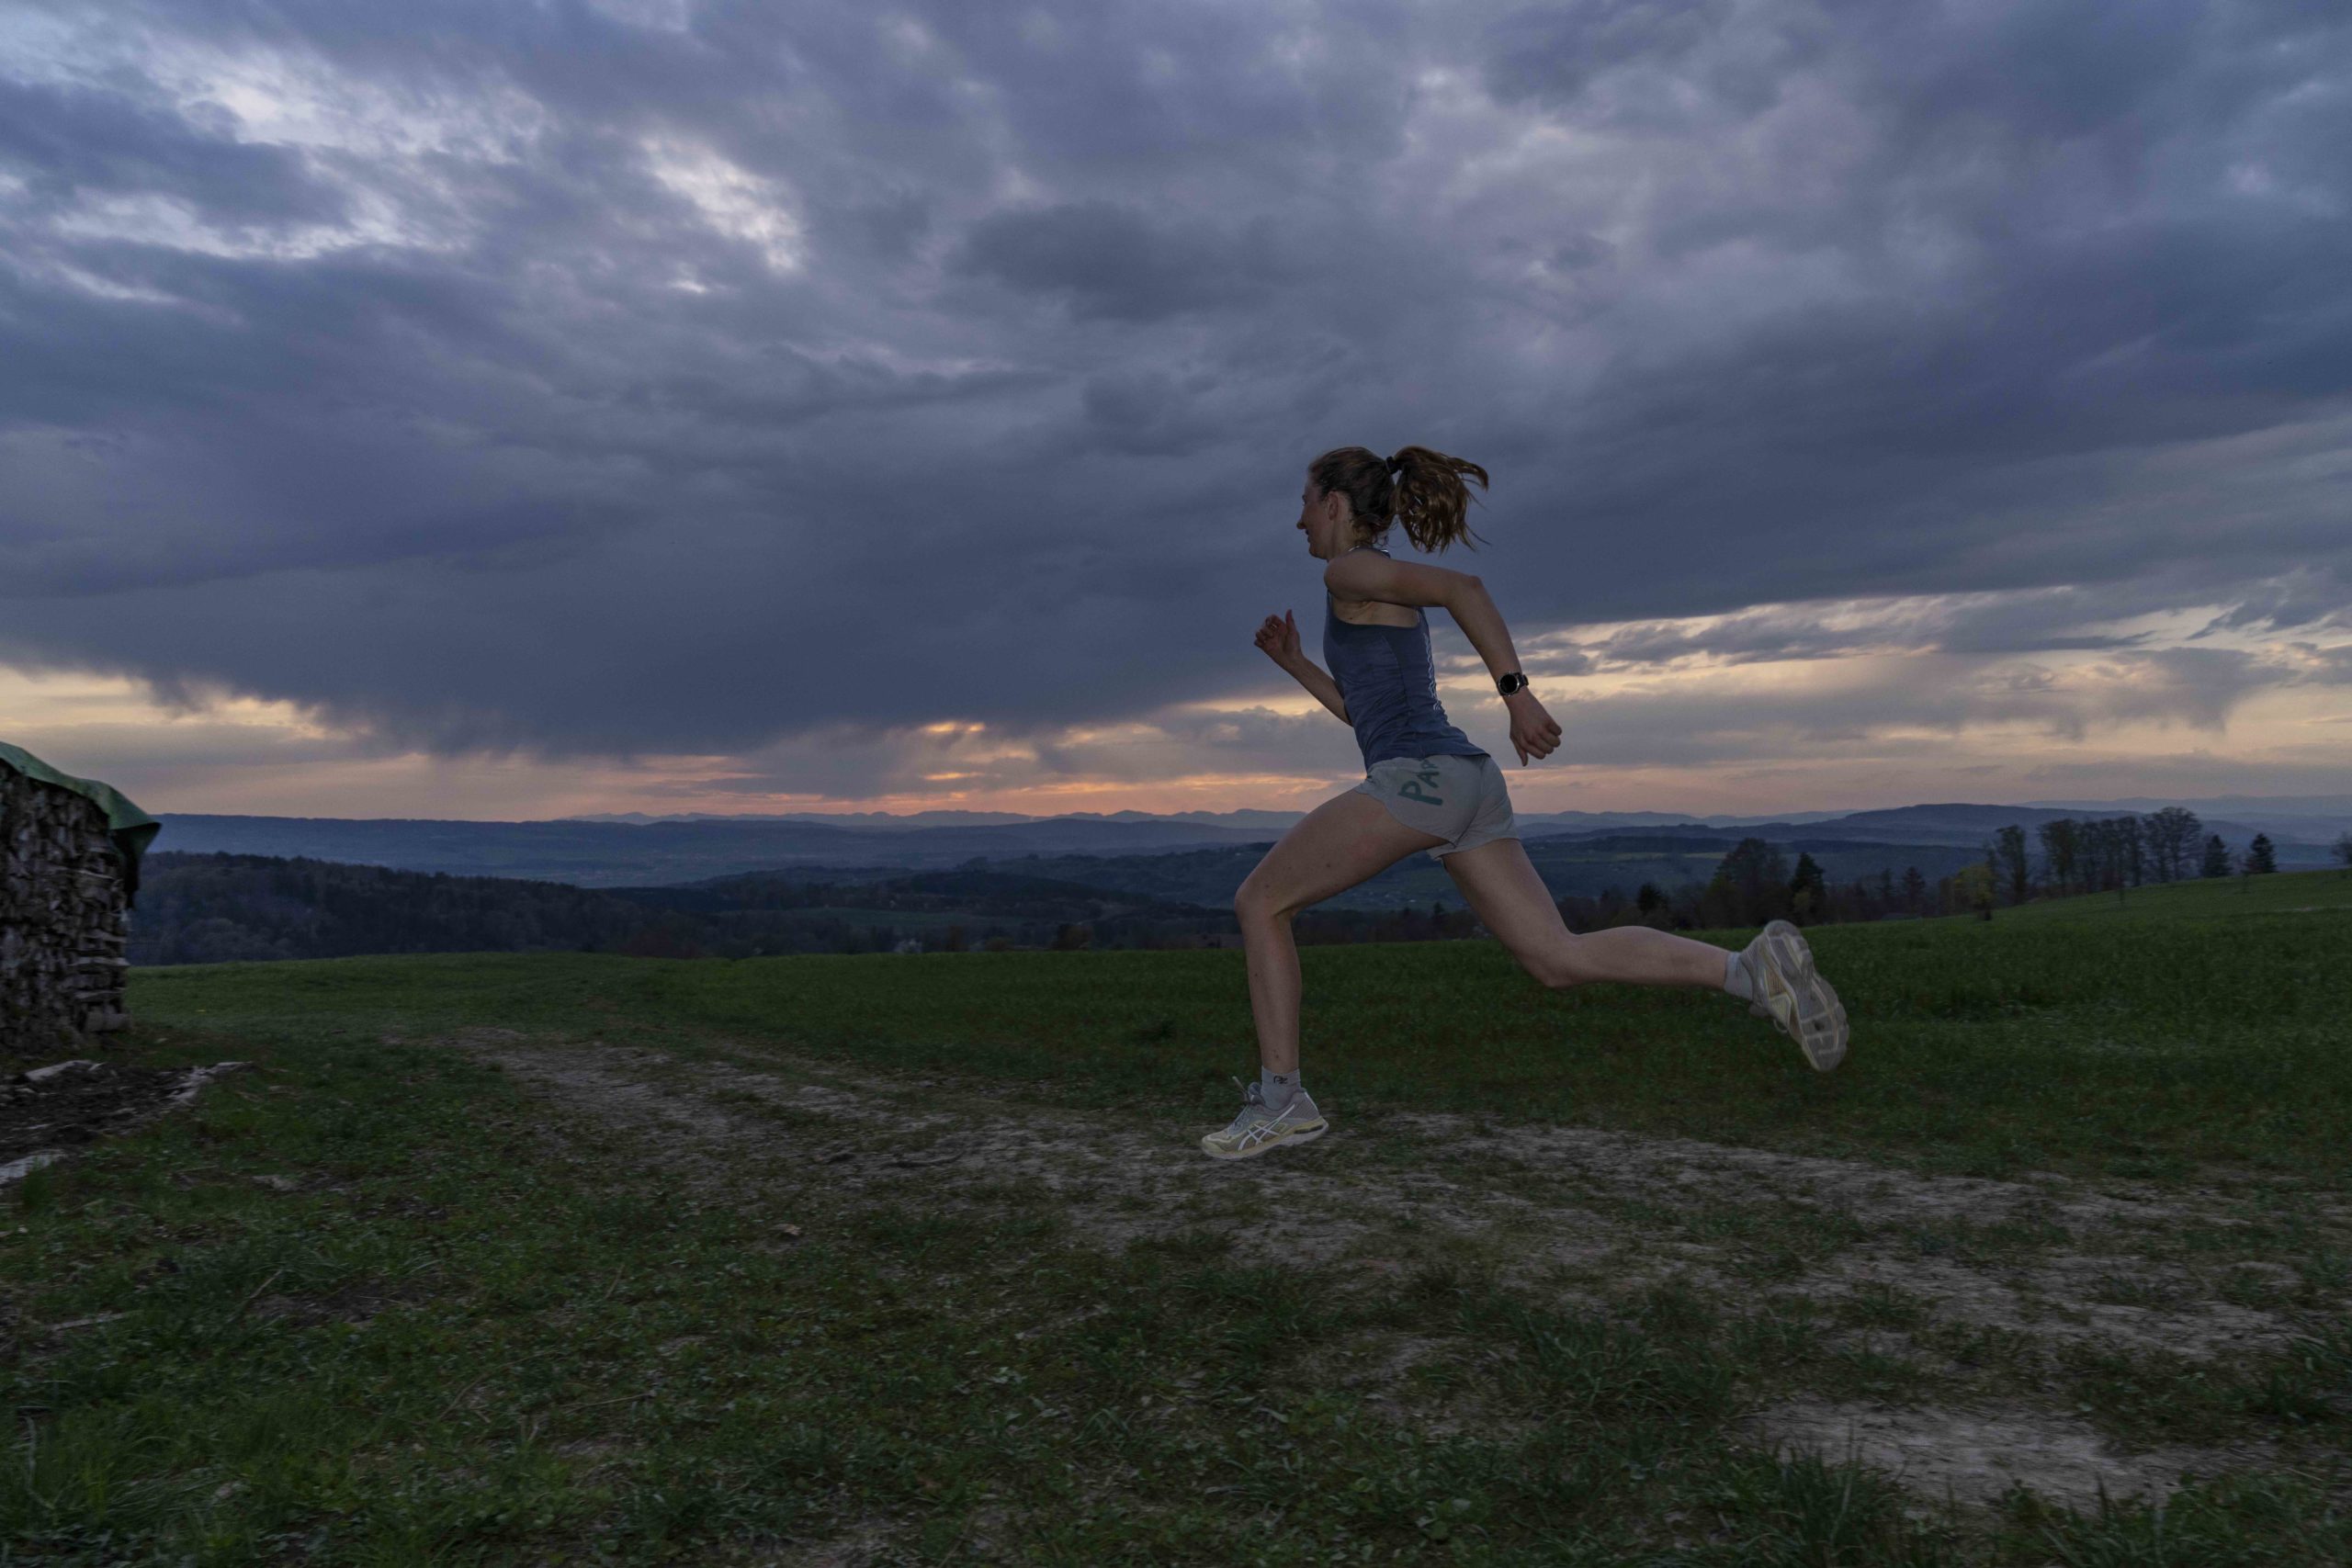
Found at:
(1772, 708)
(730, 200)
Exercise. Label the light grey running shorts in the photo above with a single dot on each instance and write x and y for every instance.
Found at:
(1463, 800)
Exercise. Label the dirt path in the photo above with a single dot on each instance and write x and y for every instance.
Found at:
(1569, 1212)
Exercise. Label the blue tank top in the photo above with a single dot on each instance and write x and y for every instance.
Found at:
(1389, 683)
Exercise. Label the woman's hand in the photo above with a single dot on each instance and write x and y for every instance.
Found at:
(1533, 731)
(1278, 638)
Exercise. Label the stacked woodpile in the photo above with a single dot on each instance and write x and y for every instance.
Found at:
(61, 926)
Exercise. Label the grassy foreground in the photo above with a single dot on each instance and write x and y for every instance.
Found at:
(376, 1302)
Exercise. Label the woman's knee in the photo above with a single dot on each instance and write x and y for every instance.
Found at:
(1558, 966)
(1257, 904)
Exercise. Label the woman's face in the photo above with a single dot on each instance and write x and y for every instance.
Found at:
(1323, 518)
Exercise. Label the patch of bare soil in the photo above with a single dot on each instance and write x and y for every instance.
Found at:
(1973, 1455)
(1545, 1201)
(1385, 1375)
(1871, 1194)
(866, 1546)
(44, 1111)
(1115, 1183)
(352, 1304)
(2063, 1291)
(2048, 1299)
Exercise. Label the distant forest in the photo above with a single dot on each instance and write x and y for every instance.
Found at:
(2060, 859)
(215, 909)
(218, 908)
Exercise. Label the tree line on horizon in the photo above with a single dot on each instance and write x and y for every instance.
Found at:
(2065, 857)
(219, 908)
(224, 908)
(1753, 884)
(2115, 854)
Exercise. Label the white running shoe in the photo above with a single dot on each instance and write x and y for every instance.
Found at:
(1258, 1129)
(1791, 994)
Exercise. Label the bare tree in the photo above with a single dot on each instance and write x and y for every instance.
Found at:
(2172, 836)
(2097, 855)
(2131, 840)
(1751, 884)
(2061, 849)
(2113, 855)
(2008, 853)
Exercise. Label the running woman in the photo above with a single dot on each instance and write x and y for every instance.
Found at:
(1428, 788)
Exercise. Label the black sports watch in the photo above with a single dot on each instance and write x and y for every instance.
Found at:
(1514, 681)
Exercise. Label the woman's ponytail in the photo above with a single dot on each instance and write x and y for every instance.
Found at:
(1432, 501)
(1427, 493)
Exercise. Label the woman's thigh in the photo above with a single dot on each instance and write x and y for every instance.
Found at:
(1347, 839)
(1504, 890)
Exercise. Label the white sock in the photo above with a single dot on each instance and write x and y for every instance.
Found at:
(1277, 1088)
(1737, 979)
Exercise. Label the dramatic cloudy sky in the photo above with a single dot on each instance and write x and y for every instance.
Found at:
(508, 410)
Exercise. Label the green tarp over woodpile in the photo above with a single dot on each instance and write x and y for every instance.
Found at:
(132, 829)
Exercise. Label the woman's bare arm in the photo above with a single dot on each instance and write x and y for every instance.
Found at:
(1278, 639)
(1312, 676)
(1463, 593)
(1473, 611)
(1534, 732)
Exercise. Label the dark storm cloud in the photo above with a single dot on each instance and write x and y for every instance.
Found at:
(2320, 598)
(1555, 54)
(612, 379)
(1148, 411)
(1111, 263)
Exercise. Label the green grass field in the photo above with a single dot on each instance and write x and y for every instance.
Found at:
(913, 1259)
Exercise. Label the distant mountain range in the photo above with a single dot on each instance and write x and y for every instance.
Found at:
(1247, 819)
(609, 854)
(633, 851)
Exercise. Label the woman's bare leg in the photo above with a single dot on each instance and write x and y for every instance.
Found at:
(1511, 900)
(1347, 839)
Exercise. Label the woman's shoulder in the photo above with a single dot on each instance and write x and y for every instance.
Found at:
(1331, 602)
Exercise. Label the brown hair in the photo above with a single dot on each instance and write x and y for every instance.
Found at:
(1427, 495)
